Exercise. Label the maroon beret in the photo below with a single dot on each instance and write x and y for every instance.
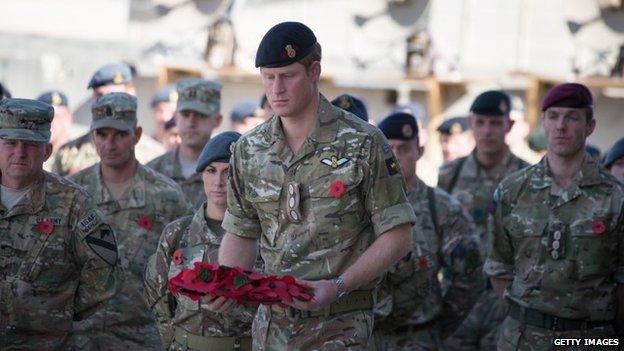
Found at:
(568, 95)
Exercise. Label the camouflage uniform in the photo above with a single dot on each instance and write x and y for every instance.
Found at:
(284, 199)
(80, 154)
(473, 186)
(419, 308)
(564, 253)
(138, 219)
(57, 256)
(177, 315)
(169, 165)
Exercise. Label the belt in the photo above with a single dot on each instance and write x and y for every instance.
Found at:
(211, 343)
(538, 319)
(356, 300)
(413, 328)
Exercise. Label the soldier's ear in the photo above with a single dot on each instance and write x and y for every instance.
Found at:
(48, 151)
(138, 132)
(218, 118)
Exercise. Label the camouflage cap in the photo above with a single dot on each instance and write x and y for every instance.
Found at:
(199, 95)
(114, 73)
(114, 110)
(25, 119)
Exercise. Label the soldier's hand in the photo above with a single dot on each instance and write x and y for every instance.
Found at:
(325, 292)
(216, 304)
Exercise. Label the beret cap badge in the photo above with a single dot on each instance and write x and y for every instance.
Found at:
(407, 131)
(456, 128)
(117, 79)
(56, 99)
(344, 103)
(290, 51)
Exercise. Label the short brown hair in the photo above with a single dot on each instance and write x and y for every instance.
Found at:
(314, 55)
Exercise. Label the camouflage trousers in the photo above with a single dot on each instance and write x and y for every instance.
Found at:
(118, 338)
(479, 330)
(515, 335)
(426, 339)
(272, 330)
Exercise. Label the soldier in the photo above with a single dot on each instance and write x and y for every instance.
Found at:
(323, 194)
(138, 202)
(456, 140)
(351, 104)
(63, 128)
(556, 243)
(197, 115)
(57, 256)
(80, 153)
(472, 180)
(246, 116)
(163, 106)
(184, 324)
(444, 240)
(614, 160)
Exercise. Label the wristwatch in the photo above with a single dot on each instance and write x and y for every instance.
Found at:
(342, 289)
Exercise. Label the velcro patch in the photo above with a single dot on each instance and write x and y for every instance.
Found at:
(103, 243)
(88, 222)
(392, 165)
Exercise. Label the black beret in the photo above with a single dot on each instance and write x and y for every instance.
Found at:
(615, 153)
(54, 98)
(491, 103)
(351, 104)
(216, 149)
(114, 73)
(285, 43)
(572, 95)
(454, 125)
(243, 110)
(399, 125)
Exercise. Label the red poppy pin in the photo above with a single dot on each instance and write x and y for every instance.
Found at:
(45, 226)
(598, 226)
(336, 189)
(145, 222)
(423, 262)
(177, 257)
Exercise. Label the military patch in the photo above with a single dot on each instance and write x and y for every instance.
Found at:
(334, 161)
(103, 243)
(88, 222)
(392, 165)
(55, 220)
(386, 148)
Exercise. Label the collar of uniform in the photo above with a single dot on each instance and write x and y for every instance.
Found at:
(32, 202)
(418, 188)
(200, 226)
(176, 166)
(326, 116)
(472, 167)
(587, 176)
(133, 197)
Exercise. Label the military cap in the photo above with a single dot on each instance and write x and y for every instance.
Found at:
(217, 149)
(54, 98)
(351, 104)
(199, 95)
(243, 110)
(285, 43)
(25, 119)
(114, 73)
(572, 95)
(164, 94)
(615, 153)
(491, 103)
(453, 126)
(114, 110)
(399, 125)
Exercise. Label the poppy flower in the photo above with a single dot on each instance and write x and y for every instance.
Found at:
(598, 226)
(177, 257)
(423, 262)
(45, 226)
(336, 189)
(145, 222)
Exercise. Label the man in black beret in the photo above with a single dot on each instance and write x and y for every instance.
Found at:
(472, 180)
(444, 241)
(555, 240)
(456, 140)
(614, 160)
(320, 192)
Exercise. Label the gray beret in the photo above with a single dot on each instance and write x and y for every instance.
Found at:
(217, 149)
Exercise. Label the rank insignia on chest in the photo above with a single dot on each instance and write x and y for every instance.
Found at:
(334, 161)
